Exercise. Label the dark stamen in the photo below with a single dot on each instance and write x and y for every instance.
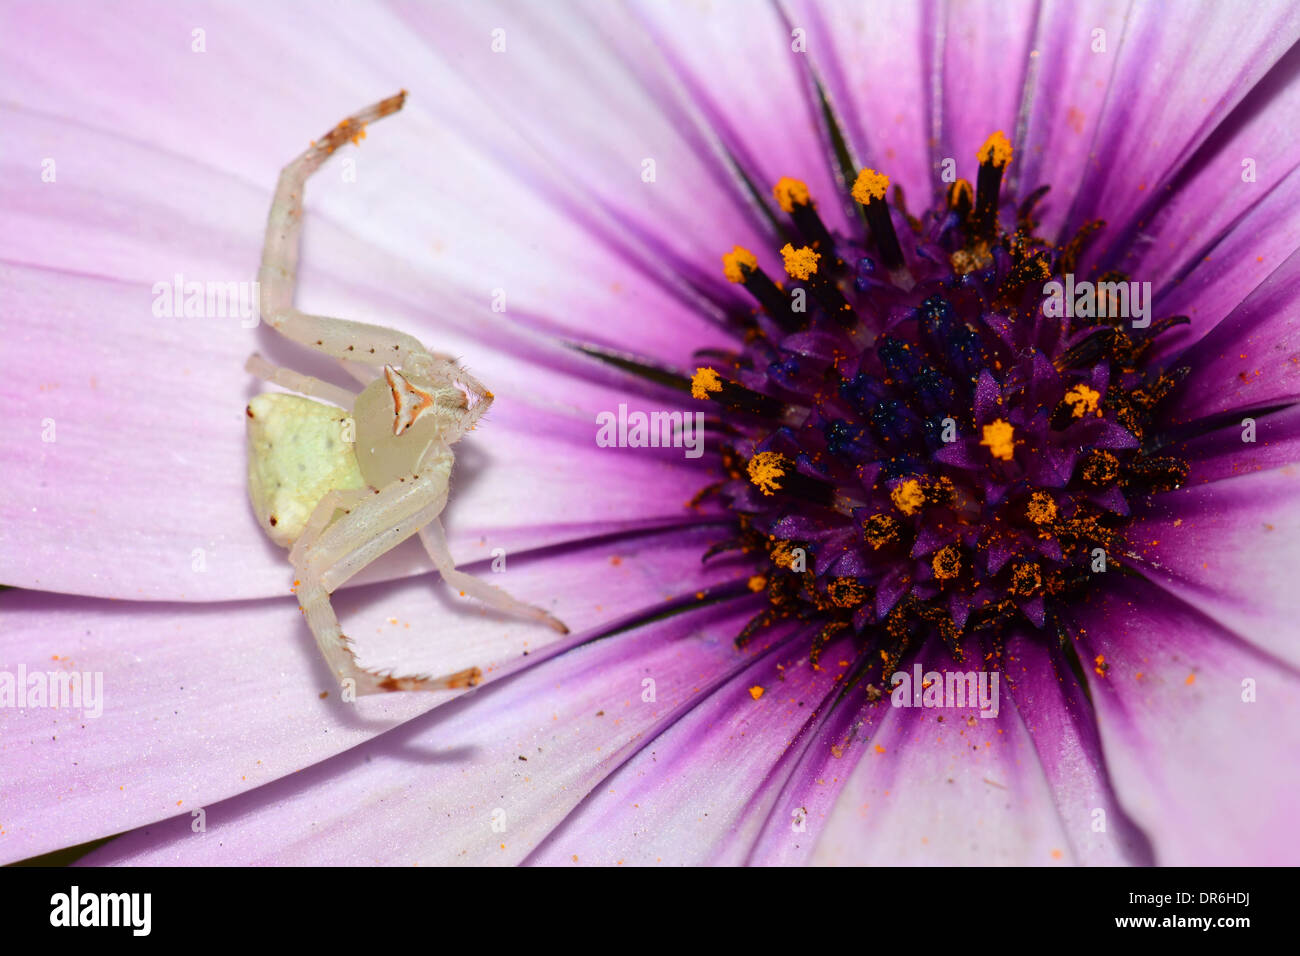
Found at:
(994, 156)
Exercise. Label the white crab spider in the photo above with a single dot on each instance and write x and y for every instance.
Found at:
(339, 504)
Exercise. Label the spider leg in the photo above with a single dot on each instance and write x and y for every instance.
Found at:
(434, 539)
(278, 275)
(320, 519)
(296, 381)
(378, 522)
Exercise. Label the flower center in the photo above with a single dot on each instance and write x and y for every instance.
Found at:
(925, 439)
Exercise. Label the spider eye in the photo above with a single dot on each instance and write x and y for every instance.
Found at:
(409, 402)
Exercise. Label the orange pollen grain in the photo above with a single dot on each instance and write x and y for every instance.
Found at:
(790, 193)
(908, 496)
(738, 262)
(1041, 508)
(946, 563)
(704, 381)
(996, 150)
(870, 185)
(766, 469)
(1083, 400)
(999, 439)
(800, 263)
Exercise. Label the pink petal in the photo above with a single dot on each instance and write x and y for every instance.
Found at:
(1229, 549)
(1209, 775)
(964, 790)
(1060, 719)
(693, 794)
(1068, 84)
(228, 696)
(1216, 237)
(1200, 69)
(427, 793)
(1221, 453)
(983, 59)
(1249, 360)
(868, 59)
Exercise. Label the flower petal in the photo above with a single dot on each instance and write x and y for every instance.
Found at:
(233, 696)
(1164, 76)
(691, 795)
(1199, 730)
(1229, 549)
(1228, 221)
(1249, 360)
(1069, 75)
(519, 755)
(984, 64)
(870, 61)
(1268, 442)
(944, 786)
(1060, 721)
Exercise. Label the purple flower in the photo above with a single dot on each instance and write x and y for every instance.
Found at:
(929, 451)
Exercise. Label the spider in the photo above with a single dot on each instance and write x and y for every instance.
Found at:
(340, 484)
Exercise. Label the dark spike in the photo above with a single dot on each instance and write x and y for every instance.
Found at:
(628, 362)
(994, 156)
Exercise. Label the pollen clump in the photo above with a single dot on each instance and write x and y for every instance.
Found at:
(790, 193)
(704, 381)
(946, 563)
(1101, 468)
(1083, 400)
(766, 469)
(756, 692)
(996, 150)
(800, 263)
(846, 592)
(1026, 578)
(757, 583)
(870, 185)
(737, 262)
(783, 554)
(999, 438)
(879, 530)
(908, 496)
(1041, 508)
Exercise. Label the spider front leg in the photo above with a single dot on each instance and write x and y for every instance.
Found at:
(320, 518)
(434, 539)
(377, 522)
(278, 275)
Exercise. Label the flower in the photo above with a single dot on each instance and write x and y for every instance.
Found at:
(592, 215)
